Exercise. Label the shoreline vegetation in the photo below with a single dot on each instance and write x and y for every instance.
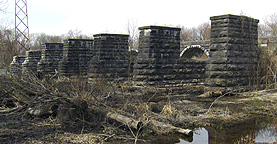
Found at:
(62, 110)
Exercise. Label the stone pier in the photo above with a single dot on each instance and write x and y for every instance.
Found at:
(233, 52)
(16, 66)
(159, 50)
(31, 61)
(51, 55)
(76, 55)
(227, 62)
(110, 57)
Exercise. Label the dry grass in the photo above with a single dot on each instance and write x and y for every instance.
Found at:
(169, 111)
(149, 104)
(267, 67)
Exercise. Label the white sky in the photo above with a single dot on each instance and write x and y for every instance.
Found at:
(100, 16)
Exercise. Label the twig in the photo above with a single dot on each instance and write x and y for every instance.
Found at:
(108, 137)
(216, 100)
(9, 110)
(83, 123)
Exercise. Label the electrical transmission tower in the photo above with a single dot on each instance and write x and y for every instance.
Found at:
(22, 38)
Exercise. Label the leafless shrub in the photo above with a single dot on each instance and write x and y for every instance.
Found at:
(267, 66)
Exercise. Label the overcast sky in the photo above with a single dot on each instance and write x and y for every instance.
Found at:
(101, 16)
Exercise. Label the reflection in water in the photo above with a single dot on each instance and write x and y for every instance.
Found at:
(200, 136)
(267, 134)
(248, 132)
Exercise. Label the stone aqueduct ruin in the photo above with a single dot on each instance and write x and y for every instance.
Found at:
(231, 56)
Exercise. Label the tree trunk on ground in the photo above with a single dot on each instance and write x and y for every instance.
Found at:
(125, 120)
(171, 128)
(154, 124)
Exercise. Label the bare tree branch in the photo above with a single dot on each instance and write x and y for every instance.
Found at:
(202, 32)
(132, 29)
(3, 6)
(269, 28)
(271, 23)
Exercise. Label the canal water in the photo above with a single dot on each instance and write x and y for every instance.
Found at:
(254, 131)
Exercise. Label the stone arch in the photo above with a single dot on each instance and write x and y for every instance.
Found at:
(195, 52)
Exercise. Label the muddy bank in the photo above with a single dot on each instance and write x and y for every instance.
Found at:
(74, 111)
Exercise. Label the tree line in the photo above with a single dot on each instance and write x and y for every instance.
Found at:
(7, 42)
(201, 32)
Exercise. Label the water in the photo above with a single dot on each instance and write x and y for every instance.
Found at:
(255, 131)
(267, 134)
(200, 136)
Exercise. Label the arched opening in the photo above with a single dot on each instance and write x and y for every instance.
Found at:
(194, 52)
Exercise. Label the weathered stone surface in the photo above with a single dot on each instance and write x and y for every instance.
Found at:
(233, 51)
(51, 55)
(159, 49)
(110, 57)
(230, 62)
(230, 82)
(191, 71)
(16, 66)
(31, 61)
(230, 67)
(76, 55)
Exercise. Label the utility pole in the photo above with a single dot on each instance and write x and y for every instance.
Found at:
(22, 37)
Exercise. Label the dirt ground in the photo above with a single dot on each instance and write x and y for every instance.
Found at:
(185, 108)
(187, 111)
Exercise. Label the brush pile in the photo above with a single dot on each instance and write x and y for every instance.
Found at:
(31, 97)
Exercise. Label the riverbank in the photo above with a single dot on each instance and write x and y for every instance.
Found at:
(187, 108)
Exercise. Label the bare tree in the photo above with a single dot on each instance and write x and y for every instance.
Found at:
(132, 29)
(202, 32)
(271, 25)
(187, 34)
(77, 34)
(6, 37)
(41, 38)
(263, 30)
(4, 22)
(3, 6)
(38, 39)
(6, 46)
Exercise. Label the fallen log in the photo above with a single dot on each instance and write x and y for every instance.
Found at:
(10, 110)
(155, 124)
(41, 110)
(125, 120)
(169, 127)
